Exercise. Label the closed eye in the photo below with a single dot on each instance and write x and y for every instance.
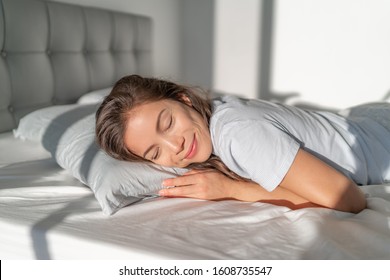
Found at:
(156, 154)
(170, 123)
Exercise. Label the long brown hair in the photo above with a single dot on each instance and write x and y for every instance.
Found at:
(131, 91)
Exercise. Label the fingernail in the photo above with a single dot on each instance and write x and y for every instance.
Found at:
(162, 193)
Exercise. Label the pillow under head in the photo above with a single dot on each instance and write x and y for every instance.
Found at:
(68, 133)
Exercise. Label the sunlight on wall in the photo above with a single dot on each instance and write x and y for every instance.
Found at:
(335, 53)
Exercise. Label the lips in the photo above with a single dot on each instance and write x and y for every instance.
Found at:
(192, 150)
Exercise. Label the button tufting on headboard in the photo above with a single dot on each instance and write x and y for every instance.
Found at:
(56, 52)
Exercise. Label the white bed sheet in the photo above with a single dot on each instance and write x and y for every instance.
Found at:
(46, 214)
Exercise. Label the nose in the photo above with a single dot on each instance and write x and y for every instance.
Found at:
(175, 143)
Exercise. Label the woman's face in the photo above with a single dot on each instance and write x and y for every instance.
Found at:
(168, 133)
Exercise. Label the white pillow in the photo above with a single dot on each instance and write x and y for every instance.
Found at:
(95, 96)
(34, 125)
(68, 133)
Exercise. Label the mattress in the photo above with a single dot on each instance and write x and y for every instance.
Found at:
(47, 214)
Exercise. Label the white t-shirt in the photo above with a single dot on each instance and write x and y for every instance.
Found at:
(259, 140)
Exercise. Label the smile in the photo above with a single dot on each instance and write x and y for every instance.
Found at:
(192, 150)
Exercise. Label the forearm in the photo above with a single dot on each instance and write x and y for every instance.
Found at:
(251, 191)
(343, 196)
(213, 185)
(302, 187)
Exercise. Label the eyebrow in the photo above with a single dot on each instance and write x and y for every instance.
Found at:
(157, 128)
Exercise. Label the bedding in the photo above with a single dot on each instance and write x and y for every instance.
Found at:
(53, 207)
(68, 133)
(45, 213)
(95, 96)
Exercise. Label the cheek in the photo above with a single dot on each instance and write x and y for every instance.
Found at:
(167, 161)
(185, 122)
(194, 119)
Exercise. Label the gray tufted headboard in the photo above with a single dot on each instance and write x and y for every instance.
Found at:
(52, 53)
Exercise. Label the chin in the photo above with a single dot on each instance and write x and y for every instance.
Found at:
(203, 158)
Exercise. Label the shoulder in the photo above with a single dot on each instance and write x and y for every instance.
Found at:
(232, 108)
(231, 111)
(227, 112)
(243, 122)
(225, 104)
(244, 135)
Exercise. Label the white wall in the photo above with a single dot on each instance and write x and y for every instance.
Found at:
(236, 45)
(332, 52)
(166, 36)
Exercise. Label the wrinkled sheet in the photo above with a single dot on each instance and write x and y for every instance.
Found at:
(46, 214)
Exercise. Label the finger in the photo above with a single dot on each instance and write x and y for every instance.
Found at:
(177, 192)
(184, 180)
(189, 179)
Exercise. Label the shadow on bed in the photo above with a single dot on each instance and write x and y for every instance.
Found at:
(51, 139)
(40, 230)
(340, 232)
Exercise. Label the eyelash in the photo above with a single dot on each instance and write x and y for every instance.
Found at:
(170, 123)
(155, 156)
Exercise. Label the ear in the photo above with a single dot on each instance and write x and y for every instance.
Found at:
(185, 99)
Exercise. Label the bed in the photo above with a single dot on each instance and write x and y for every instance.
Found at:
(66, 57)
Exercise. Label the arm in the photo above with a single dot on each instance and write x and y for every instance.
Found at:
(212, 185)
(308, 183)
(314, 180)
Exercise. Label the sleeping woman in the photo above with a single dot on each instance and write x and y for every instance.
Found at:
(244, 149)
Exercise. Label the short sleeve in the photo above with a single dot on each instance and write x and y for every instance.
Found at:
(257, 150)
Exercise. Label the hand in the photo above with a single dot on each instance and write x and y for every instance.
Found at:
(213, 185)
(203, 184)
